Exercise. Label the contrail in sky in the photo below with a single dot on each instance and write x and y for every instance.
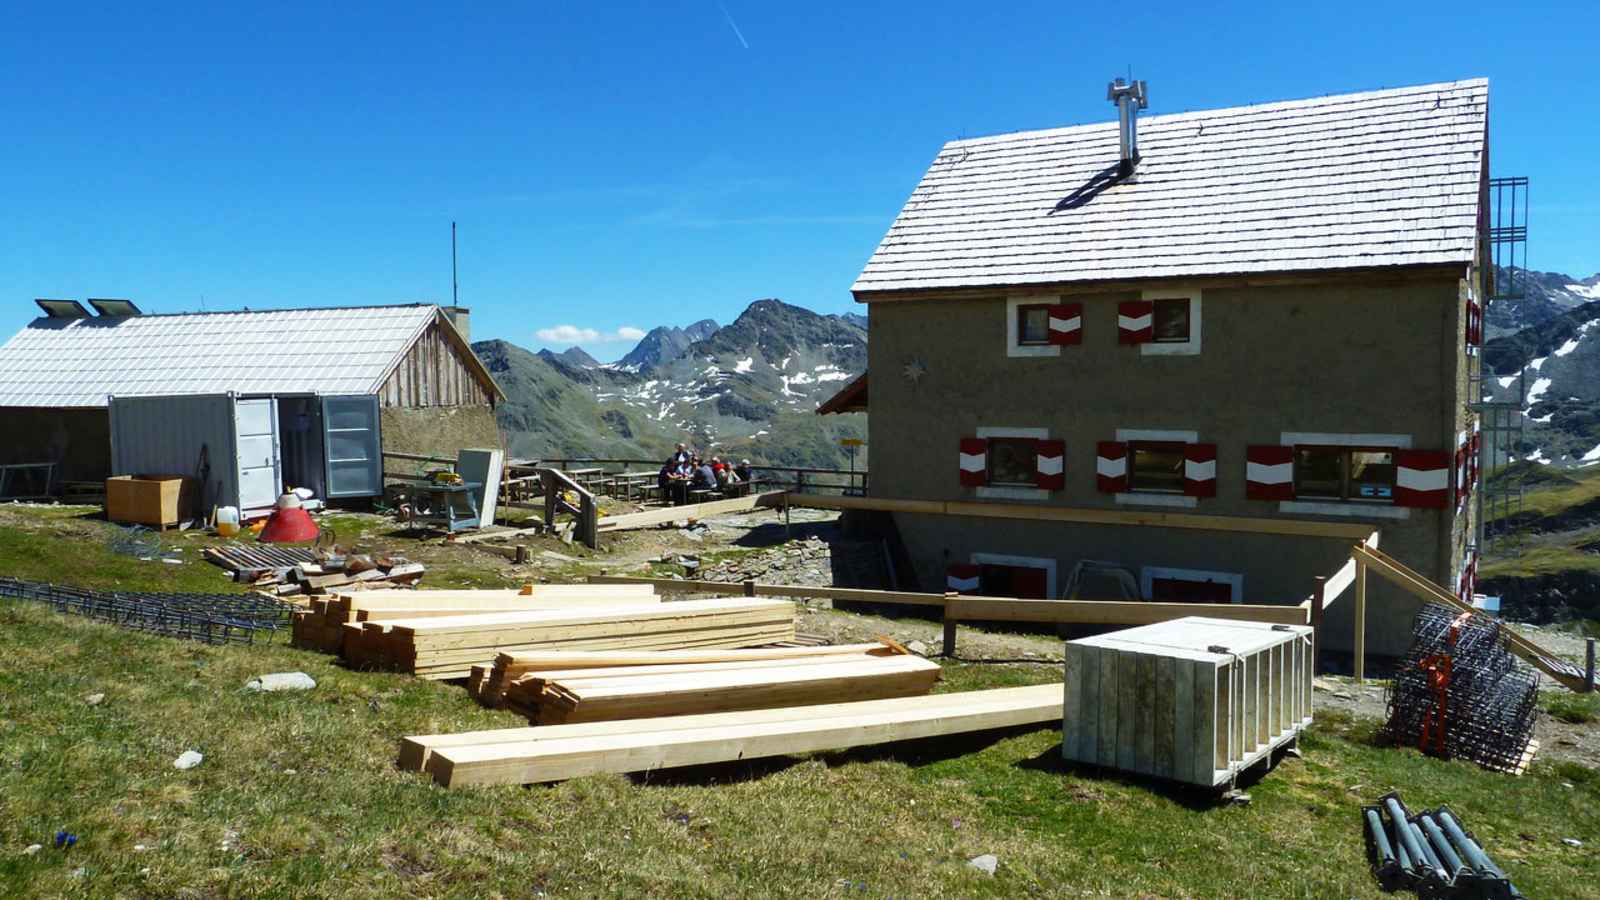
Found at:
(731, 24)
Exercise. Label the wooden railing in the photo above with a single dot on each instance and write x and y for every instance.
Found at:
(956, 608)
(801, 479)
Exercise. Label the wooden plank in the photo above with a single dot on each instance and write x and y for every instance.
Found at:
(806, 731)
(1144, 715)
(1361, 620)
(692, 511)
(1163, 710)
(1106, 740)
(1184, 709)
(1072, 714)
(1086, 515)
(1127, 710)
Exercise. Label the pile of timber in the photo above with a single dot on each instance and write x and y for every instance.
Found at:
(286, 571)
(445, 647)
(557, 752)
(648, 692)
(488, 684)
(321, 625)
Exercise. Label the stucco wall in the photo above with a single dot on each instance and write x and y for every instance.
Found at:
(77, 440)
(1356, 357)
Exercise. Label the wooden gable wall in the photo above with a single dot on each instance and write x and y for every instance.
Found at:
(433, 373)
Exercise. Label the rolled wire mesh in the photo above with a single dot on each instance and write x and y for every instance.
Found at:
(1488, 708)
(210, 618)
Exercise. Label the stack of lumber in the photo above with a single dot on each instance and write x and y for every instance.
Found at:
(563, 697)
(488, 687)
(444, 647)
(557, 752)
(300, 570)
(320, 626)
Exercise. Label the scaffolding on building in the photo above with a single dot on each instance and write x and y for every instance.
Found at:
(1501, 419)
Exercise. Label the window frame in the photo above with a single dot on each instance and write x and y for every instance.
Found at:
(1188, 319)
(1346, 452)
(1190, 346)
(1014, 347)
(1020, 311)
(989, 458)
(1148, 575)
(1133, 448)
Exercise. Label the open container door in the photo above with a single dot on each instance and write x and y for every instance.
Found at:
(255, 423)
(352, 445)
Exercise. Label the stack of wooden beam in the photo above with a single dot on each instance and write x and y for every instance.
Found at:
(556, 752)
(321, 625)
(562, 697)
(488, 686)
(444, 647)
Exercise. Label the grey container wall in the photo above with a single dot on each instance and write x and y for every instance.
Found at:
(1169, 701)
(163, 436)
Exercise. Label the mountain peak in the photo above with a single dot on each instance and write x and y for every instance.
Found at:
(663, 344)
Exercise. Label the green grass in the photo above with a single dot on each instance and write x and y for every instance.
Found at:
(298, 796)
(1574, 709)
(1546, 559)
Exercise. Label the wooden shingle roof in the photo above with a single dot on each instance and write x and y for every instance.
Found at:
(1384, 178)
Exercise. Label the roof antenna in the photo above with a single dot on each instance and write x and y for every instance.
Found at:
(453, 290)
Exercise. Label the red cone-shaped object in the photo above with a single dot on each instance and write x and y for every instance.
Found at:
(289, 524)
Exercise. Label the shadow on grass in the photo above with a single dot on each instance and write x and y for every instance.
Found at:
(919, 752)
(771, 534)
(1190, 796)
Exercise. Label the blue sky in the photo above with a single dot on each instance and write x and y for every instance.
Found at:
(618, 167)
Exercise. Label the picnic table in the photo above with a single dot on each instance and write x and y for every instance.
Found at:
(585, 478)
(626, 484)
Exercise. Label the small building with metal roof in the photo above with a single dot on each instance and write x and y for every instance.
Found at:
(81, 390)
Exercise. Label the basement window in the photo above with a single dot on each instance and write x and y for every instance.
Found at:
(1012, 461)
(1344, 473)
(1167, 585)
(1155, 466)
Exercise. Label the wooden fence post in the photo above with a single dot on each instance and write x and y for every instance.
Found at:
(1588, 666)
(1361, 621)
(949, 625)
(749, 588)
(1319, 597)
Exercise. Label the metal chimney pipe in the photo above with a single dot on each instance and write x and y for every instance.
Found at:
(1129, 98)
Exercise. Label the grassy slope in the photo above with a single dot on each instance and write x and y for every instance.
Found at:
(1550, 494)
(298, 796)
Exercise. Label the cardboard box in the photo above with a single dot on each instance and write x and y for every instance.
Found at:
(157, 500)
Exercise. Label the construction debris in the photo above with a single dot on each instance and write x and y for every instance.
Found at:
(210, 618)
(1430, 853)
(445, 647)
(632, 692)
(558, 752)
(304, 570)
(1460, 694)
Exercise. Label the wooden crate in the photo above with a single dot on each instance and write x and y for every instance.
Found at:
(158, 500)
(1194, 700)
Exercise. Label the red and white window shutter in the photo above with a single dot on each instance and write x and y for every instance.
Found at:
(1136, 322)
(1200, 470)
(1269, 472)
(974, 462)
(1066, 323)
(1422, 478)
(1111, 467)
(1050, 465)
(961, 578)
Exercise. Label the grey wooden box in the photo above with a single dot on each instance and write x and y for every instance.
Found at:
(1194, 700)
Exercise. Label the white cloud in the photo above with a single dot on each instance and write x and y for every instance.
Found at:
(572, 334)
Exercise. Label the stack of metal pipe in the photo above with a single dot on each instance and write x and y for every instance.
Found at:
(1430, 853)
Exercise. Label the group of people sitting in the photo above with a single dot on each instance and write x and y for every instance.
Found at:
(687, 471)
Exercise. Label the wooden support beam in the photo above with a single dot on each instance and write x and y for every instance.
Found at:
(804, 729)
(1361, 620)
(1319, 596)
(1149, 519)
(651, 517)
(950, 622)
